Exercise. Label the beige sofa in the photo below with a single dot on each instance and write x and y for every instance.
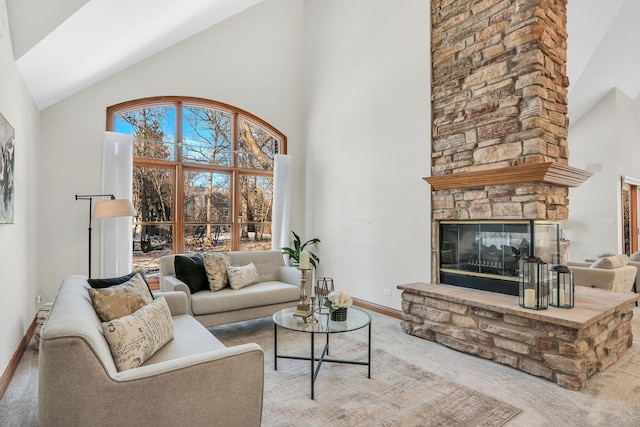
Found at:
(278, 287)
(192, 380)
(612, 273)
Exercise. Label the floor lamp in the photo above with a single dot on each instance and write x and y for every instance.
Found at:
(112, 208)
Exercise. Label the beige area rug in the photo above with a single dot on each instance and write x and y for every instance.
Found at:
(397, 394)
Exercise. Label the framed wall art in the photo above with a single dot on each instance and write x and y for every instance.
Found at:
(7, 188)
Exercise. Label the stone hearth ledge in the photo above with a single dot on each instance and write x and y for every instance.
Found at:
(566, 346)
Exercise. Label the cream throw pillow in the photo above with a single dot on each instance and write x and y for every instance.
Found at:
(611, 262)
(243, 276)
(120, 300)
(135, 338)
(634, 256)
(215, 265)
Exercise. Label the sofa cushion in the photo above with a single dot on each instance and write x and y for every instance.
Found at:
(242, 276)
(616, 261)
(215, 265)
(120, 300)
(105, 283)
(190, 269)
(135, 338)
(260, 294)
(189, 338)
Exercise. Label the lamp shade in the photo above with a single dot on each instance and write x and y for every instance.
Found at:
(113, 208)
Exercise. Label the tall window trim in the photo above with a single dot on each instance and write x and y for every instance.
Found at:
(179, 166)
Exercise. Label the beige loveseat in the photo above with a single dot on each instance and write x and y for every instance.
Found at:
(193, 380)
(612, 273)
(278, 287)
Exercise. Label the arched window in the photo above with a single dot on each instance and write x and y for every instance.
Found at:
(202, 176)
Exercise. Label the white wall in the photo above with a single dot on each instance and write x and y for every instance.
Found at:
(368, 143)
(18, 241)
(604, 141)
(366, 90)
(252, 61)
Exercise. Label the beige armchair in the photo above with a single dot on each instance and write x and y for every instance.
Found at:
(634, 260)
(612, 273)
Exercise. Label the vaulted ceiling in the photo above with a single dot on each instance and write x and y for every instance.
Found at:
(64, 46)
(601, 53)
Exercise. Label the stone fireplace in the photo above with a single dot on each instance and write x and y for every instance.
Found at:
(486, 254)
(499, 125)
(500, 160)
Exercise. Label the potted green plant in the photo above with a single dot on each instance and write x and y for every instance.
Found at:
(604, 254)
(298, 247)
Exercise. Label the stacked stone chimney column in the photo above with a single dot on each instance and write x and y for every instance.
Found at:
(499, 99)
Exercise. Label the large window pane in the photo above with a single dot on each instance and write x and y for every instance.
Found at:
(150, 242)
(256, 198)
(207, 238)
(256, 147)
(207, 136)
(256, 202)
(153, 129)
(255, 236)
(153, 196)
(207, 197)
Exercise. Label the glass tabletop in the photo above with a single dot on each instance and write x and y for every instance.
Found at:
(356, 319)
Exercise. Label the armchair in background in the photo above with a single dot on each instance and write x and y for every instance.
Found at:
(612, 273)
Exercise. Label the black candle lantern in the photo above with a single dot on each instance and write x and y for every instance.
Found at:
(562, 287)
(534, 283)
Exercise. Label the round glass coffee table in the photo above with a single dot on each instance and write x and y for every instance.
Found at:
(356, 319)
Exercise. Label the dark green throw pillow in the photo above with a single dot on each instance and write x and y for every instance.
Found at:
(108, 282)
(190, 269)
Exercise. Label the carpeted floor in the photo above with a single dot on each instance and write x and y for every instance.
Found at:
(397, 394)
(611, 397)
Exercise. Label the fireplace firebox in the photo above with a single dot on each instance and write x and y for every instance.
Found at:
(486, 254)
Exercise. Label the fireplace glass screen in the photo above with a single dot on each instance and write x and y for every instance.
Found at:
(491, 251)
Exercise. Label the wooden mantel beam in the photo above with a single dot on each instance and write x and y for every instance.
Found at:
(547, 173)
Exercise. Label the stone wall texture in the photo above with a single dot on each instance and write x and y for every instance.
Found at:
(499, 99)
(566, 356)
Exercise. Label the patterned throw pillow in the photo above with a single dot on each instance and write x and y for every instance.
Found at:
(120, 300)
(216, 264)
(243, 276)
(133, 339)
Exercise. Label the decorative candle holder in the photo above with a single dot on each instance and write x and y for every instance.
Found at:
(303, 309)
(534, 283)
(313, 319)
(324, 286)
(562, 287)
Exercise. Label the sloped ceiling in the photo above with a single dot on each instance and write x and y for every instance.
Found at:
(602, 51)
(64, 46)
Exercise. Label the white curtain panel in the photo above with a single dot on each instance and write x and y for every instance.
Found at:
(281, 202)
(116, 247)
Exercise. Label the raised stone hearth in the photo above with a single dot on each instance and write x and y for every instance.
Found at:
(566, 346)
